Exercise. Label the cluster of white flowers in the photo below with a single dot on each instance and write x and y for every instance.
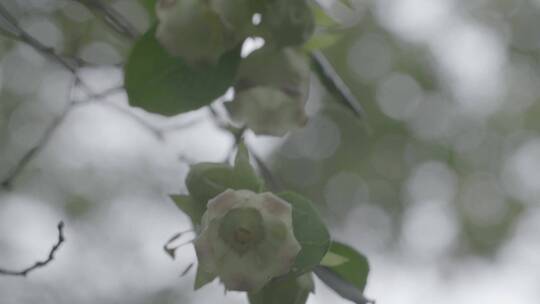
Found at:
(201, 31)
(271, 91)
(272, 83)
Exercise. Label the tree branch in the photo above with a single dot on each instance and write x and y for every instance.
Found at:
(274, 182)
(71, 65)
(43, 263)
(7, 183)
(112, 17)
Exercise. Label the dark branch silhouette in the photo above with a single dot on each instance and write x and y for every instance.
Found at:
(39, 264)
(10, 28)
(112, 17)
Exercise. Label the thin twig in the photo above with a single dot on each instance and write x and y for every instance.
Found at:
(15, 32)
(23, 36)
(72, 66)
(112, 17)
(7, 183)
(43, 263)
(27, 157)
(273, 181)
(10, 21)
(181, 125)
(158, 133)
(238, 135)
(7, 33)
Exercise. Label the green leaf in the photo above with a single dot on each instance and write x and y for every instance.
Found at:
(322, 40)
(150, 6)
(293, 290)
(343, 288)
(310, 231)
(202, 278)
(321, 16)
(287, 23)
(334, 84)
(331, 259)
(347, 3)
(164, 84)
(206, 180)
(347, 279)
(193, 209)
(245, 172)
(355, 270)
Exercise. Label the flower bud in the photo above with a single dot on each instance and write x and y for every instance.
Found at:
(271, 91)
(288, 22)
(236, 15)
(267, 111)
(247, 239)
(286, 69)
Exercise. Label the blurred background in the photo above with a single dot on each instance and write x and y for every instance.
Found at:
(438, 184)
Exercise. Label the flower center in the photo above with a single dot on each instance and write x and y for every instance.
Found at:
(242, 229)
(243, 235)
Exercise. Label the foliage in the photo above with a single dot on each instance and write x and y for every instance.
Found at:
(165, 84)
(189, 58)
(293, 290)
(165, 77)
(310, 231)
(353, 267)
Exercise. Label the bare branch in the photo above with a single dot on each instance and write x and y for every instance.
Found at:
(8, 23)
(30, 154)
(27, 157)
(71, 65)
(43, 263)
(112, 17)
(157, 132)
(23, 36)
(181, 125)
(274, 182)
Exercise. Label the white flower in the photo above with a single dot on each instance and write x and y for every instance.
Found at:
(271, 91)
(288, 22)
(267, 111)
(247, 239)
